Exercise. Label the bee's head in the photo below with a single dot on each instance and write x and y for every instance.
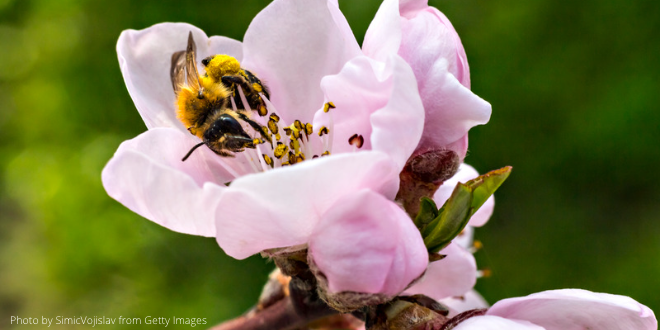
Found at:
(225, 134)
(218, 66)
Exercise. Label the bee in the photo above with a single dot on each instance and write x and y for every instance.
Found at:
(202, 102)
(226, 70)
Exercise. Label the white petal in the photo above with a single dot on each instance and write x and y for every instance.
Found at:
(291, 45)
(146, 174)
(574, 309)
(145, 57)
(280, 208)
(487, 322)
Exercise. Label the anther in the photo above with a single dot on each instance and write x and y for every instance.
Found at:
(280, 150)
(268, 160)
(356, 140)
(324, 130)
(328, 106)
(325, 153)
(298, 125)
(309, 129)
(484, 273)
(272, 125)
(274, 117)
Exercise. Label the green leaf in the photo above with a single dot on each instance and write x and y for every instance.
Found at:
(454, 215)
(427, 212)
(484, 186)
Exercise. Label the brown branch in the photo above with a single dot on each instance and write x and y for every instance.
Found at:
(301, 307)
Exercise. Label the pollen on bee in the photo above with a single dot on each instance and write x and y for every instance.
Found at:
(223, 65)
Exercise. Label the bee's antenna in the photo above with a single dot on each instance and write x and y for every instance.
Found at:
(191, 151)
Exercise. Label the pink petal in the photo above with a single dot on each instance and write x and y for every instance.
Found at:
(379, 102)
(488, 322)
(466, 238)
(291, 45)
(280, 208)
(146, 174)
(352, 48)
(470, 300)
(451, 108)
(574, 309)
(452, 276)
(145, 58)
(427, 36)
(366, 243)
(410, 8)
(383, 36)
(465, 173)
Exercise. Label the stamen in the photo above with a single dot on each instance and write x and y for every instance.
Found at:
(476, 246)
(484, 273)
(356, 140)
(244, 99)
(268, 160)
(298, 125)
(328, 106)
(233, 104)
(272, 125)
(248, 156)
(280, 150)
(274, 117)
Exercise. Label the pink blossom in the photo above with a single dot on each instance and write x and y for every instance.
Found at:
(456, 274)
(425, 38)
(568, 309)
(267, 208)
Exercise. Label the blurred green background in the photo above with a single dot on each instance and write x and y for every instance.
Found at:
(575, 94)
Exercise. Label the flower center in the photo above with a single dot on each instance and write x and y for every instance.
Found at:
(279, 144)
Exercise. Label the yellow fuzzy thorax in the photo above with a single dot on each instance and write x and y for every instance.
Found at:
(190, 108)
(222, 65)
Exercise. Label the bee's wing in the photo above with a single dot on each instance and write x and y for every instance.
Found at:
(191, 64)
(177, 70)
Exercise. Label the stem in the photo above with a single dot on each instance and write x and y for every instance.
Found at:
(301, 307)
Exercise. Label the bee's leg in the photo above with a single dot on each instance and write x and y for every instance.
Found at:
(256, 103)
(261, 129)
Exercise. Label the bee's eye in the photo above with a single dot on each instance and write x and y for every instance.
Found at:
(207, 60)
(229, 124)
